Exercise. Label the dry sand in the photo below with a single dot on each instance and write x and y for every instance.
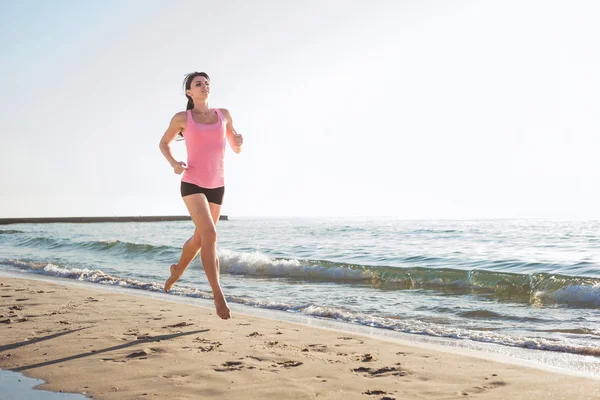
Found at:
(118, 346)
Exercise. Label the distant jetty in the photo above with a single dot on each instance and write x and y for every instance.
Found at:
(79, 220)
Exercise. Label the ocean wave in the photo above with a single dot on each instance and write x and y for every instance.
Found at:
(261, 265)
(434, 231)
(115, 246)
(533, 288)
(576, 294)
(489, 278)
(492, 315)
(574, 331)
(9, 232)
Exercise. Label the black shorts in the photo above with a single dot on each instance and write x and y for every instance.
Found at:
(212, 195)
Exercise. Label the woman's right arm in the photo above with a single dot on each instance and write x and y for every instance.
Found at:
(177, 125)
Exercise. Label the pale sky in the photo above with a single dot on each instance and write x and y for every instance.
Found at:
(412, 109)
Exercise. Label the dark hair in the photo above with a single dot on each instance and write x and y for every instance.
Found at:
(187, 84)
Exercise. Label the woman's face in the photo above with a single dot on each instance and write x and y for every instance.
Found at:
(199, 88)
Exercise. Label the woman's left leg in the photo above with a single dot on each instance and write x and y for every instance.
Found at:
(191, 248)
(215, 212)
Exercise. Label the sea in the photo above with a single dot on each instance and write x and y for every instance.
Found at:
(530, 288)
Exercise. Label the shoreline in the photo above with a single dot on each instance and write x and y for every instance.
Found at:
(120, 346)
(586, 366)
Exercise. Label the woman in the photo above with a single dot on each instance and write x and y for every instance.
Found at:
(202, 185)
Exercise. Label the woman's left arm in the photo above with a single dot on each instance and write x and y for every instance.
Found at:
(235, 140)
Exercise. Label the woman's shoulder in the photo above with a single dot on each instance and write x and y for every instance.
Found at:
(180, 117)
(225, 113)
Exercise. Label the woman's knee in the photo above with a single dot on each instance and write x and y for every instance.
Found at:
(207, 235)
(196, 239)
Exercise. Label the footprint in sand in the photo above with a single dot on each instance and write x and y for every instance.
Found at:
(143, 354)
(350, 338)
(385, 371)
(365, 358)
(208, 341)
(211, 345)
(179, 325)
(232, 363)
(206, 349)
(257, 358)
(139, 354)
(374, 392)
(485, 388)
(230, 366)
(174, 376)
(113, 360)
(148, 337)
(91, 300)
(315, 347)
(288, 364)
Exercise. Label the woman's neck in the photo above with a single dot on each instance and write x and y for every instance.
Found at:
(201, 108)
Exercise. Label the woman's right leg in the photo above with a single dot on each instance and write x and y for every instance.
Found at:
(200, 212)
(190, 250)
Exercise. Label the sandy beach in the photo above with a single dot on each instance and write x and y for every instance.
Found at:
(118, 346)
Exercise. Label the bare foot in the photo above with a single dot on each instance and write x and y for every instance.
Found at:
(172, 279)
(222, 309)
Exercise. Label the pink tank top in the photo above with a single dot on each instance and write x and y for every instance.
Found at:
(205, 146)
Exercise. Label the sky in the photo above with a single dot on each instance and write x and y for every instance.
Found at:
(420, 109)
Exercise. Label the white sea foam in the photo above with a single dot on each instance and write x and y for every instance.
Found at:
(258, 264)
(577, 294)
